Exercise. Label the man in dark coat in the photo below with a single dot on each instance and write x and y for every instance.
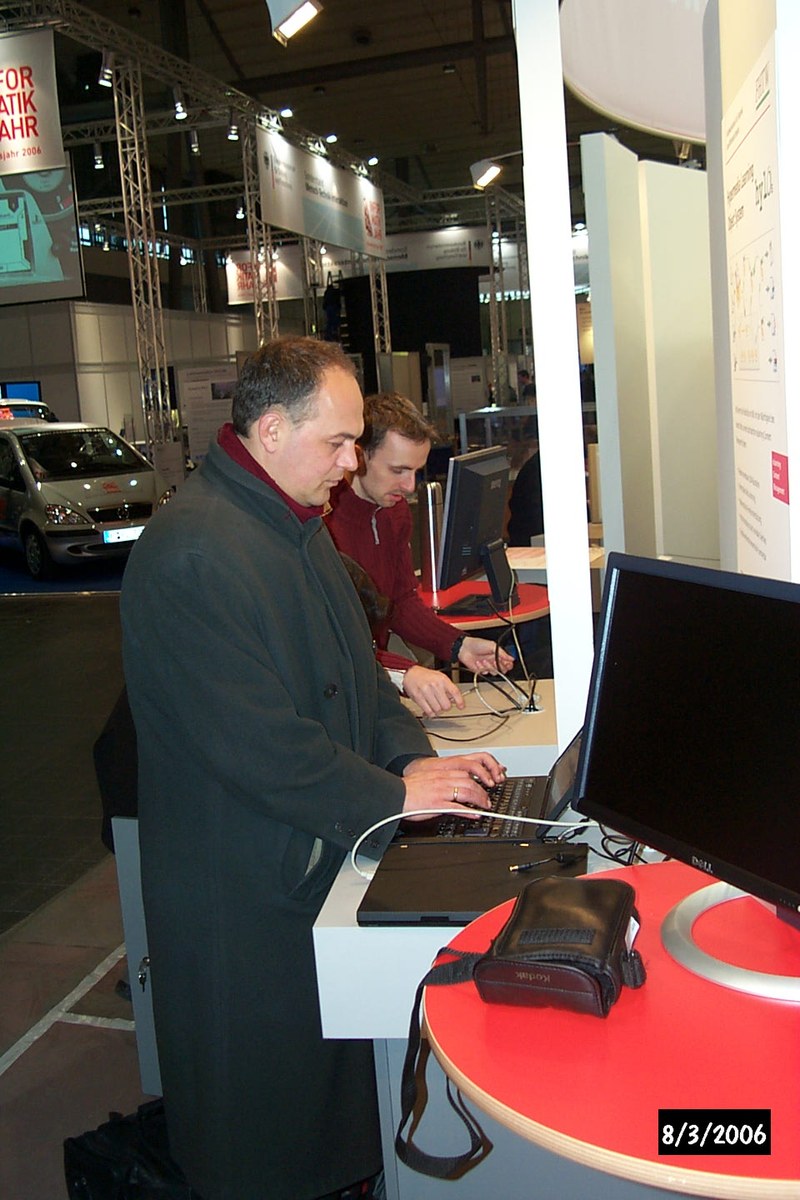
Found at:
(268, 742)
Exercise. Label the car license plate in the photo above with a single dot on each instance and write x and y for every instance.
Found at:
(122, 535)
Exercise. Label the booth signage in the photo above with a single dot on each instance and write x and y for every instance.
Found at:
(456, 246)
(30, 125)
(306, 194)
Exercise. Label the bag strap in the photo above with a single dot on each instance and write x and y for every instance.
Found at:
(457, 970)
(634, 973)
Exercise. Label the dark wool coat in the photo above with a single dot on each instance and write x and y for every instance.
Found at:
(264, 729)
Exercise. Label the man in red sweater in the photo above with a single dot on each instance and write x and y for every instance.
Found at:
(370, 521)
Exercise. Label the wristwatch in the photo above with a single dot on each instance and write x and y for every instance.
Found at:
(457, 644)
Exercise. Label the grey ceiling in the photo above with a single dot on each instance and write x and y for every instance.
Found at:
(427, 85)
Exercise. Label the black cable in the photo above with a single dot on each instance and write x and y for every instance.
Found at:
(478, 736)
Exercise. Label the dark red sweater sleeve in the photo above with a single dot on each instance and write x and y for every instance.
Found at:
(411, 618)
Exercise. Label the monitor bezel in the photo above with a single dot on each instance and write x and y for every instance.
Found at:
(447, 557)
(703, 858)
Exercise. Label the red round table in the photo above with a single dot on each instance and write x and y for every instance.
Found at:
(533, 603)
(590, 1088)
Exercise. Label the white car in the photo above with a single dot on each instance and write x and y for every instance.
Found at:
(73, 492)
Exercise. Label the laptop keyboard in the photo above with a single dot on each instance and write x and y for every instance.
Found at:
(512, 797)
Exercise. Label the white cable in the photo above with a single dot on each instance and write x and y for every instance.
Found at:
(486, 703)
(433, 812)
(518, 707)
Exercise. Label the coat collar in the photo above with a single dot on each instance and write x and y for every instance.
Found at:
(235, 448)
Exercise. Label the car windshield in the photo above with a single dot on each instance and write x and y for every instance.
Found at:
(78, 454)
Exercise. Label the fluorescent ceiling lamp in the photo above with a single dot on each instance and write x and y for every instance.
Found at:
(180, 108)
(288, 17)
(106, 76)
(484, 172)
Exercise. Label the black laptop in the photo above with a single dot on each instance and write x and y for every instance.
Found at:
(438, 882)
(542, 796)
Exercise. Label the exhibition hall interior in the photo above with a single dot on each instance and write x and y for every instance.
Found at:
(553, 226)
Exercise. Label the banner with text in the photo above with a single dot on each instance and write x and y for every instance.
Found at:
(454, 246)
(30, 125)
(755, 298)
(306, 194)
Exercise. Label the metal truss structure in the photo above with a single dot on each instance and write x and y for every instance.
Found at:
(259, 240)
(380, 306)
(209, 102)
(140, 232)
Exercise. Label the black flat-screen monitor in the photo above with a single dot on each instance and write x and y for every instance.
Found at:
(691, 742)
(472, 528)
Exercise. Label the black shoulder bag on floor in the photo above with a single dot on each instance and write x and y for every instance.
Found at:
(126, 1158)
(566, 944)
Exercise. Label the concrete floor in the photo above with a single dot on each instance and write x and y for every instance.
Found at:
(67, 1044)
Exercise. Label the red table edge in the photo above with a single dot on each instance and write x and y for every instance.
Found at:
(623, 1166)
(654, 1173)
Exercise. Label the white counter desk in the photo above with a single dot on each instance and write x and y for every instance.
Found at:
(525, 742)
(367, 979)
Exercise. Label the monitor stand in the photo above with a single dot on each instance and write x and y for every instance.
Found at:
(676, 936)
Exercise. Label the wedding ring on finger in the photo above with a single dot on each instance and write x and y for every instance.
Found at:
(455, 795)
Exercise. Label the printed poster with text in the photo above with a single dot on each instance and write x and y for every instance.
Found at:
(755, 298)
(30, 124)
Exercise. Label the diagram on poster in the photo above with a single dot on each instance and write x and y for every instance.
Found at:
(754, 322)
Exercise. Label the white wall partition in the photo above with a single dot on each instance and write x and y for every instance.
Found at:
(84, 354)
(651, 307)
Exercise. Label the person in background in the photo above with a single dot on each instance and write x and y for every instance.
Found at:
(525, 509)
(527, 388)
(370, 521)
(268, 742)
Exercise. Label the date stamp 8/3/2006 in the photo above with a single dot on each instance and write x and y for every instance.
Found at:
(714, 1131)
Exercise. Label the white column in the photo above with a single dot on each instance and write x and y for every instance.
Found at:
(555, 351)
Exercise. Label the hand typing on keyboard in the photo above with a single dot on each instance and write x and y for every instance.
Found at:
(460, 782)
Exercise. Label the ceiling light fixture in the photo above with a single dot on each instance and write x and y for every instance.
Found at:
(486, 170)
(98, 157)
(106, 76)
(194, 142)
(286, 112)
(233, 128)
(373, 160)
(288, 17)
(180, 108)
(240, 211)
(331, 139)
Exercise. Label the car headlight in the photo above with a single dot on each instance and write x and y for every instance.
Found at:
(164, 498)
(61, 514)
